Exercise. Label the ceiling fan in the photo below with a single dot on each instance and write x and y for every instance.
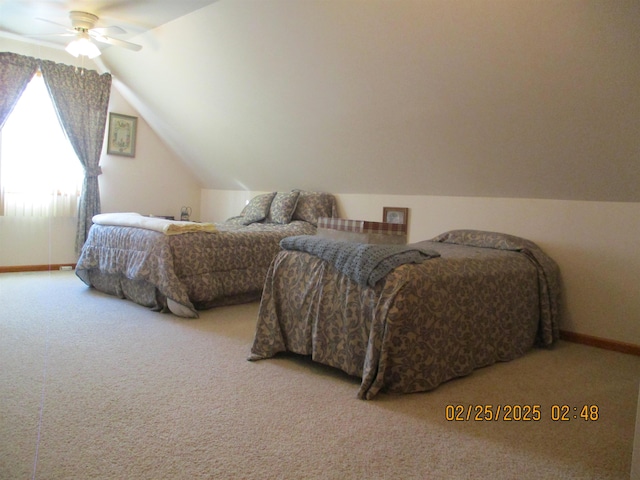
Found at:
(84, 30)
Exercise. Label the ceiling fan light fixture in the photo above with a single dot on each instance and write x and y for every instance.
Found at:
(82, 45)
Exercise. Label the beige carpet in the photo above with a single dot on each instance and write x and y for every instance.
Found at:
(92, 386)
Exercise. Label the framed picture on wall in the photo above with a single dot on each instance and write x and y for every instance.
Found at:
(395, 215)
(122, 135)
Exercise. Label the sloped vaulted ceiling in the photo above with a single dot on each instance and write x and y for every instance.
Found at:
(527, 99)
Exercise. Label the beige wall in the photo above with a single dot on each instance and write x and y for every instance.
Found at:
(154, 182)
(594, 243)
(487, 98)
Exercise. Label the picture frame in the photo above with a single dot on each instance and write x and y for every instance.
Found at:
(122, 135)
(395, 215)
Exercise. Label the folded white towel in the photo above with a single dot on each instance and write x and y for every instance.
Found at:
(168, 227)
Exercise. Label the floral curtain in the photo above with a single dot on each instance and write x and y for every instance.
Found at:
(81, 99)
(15, 73)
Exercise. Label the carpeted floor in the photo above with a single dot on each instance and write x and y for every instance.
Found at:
(92, 386)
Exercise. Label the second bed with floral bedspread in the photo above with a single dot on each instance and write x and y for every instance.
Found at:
(483, 297)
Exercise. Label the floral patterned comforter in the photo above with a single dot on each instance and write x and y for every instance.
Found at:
(489, 297)
(184, 273)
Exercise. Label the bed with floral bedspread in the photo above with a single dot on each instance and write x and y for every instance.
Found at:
(195, 270)
(477, 298)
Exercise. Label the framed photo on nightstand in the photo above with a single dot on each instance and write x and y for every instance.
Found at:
(395, 215)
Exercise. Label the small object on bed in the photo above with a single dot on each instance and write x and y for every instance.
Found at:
(362, 231)
(488, 297)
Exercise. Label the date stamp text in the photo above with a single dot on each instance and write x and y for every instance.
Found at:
(520, 413)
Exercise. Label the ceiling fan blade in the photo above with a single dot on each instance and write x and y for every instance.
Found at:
(51, 35)
(116, 42)
(113, 30)
(66, 27)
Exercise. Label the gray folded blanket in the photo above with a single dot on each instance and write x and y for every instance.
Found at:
(364, 263)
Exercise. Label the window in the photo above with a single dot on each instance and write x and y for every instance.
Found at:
(40, 174)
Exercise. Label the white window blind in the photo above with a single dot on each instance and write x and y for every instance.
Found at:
(40, 174)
